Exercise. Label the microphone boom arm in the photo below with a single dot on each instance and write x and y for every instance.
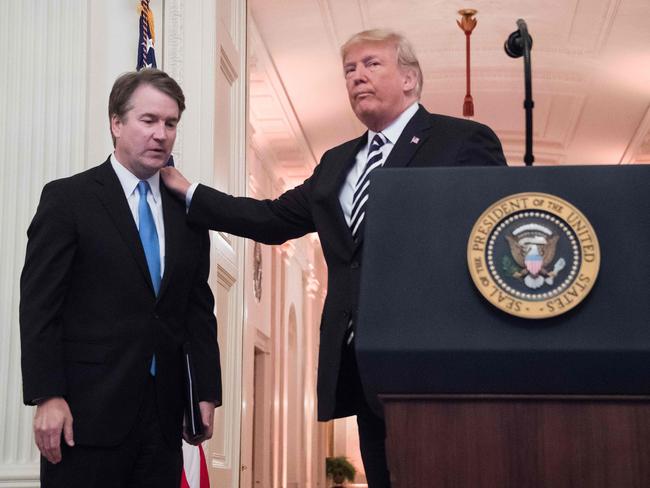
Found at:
(520, 43)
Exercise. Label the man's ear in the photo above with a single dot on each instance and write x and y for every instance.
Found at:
(116, 125)
(409, 81)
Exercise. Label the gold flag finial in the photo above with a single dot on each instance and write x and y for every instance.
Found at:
(467, 22)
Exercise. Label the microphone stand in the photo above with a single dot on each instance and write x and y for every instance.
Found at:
(520, 43)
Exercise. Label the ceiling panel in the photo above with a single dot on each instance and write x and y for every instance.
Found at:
(591, 70)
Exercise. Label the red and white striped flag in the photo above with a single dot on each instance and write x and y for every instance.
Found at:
(195, 469)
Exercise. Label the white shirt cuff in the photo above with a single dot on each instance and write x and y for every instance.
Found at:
(190, 194)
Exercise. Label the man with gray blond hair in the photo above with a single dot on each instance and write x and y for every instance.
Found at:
(384, 83)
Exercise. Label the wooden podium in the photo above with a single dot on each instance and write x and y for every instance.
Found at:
(518, 441)
(477, 398)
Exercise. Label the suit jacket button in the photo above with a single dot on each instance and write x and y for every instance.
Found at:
(354, 264)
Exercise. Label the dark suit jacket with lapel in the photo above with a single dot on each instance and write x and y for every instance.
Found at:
(90, 320)
(427, 140)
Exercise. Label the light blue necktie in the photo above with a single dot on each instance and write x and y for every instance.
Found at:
(149, 238)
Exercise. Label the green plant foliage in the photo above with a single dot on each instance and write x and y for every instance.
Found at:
(339, 468)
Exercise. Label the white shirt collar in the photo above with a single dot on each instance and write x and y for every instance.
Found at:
(129, 181)
(394, 130)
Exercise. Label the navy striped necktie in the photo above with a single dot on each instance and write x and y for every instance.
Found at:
(360, 197)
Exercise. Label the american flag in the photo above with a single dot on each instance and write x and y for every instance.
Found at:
(146, 50)
(195, 468)
(147, 37)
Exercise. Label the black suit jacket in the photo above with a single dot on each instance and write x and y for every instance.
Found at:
(427, 140)
(90, 320)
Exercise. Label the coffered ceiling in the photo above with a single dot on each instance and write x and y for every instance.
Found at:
(590, 58)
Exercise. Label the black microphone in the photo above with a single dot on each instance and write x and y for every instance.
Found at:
(514, 45)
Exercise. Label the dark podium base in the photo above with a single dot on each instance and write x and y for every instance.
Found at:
(467, 441)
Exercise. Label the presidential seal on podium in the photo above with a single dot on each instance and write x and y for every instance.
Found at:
(533, 255)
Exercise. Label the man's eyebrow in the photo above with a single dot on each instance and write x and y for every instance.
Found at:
(156, 116)
(365, 59)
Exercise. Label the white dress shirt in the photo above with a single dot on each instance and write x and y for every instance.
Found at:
(392, 133)
(129, 184)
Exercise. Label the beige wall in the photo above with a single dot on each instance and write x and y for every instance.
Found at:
(282, 443)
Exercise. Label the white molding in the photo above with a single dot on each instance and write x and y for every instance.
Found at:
(333, 37)
(42, 137)
(173, 39)
(265, 67)
(607, 20)
(640, 136)
(237, 185)
(227, 67)
(172, 61)
(25, 475)
(215, 146)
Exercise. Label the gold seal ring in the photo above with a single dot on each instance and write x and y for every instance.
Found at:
(533, 255)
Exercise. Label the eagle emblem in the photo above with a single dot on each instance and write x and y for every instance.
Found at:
(533, 255)
(533, 247)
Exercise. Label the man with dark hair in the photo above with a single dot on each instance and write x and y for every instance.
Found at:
(119, 101)
(114, 284)
(384, 82)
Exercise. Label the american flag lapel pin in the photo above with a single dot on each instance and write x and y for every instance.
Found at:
(415, 140)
